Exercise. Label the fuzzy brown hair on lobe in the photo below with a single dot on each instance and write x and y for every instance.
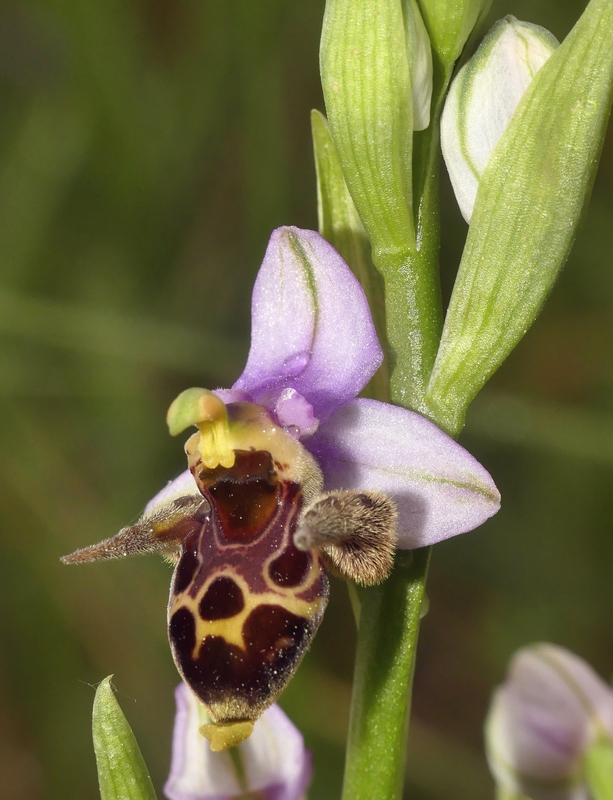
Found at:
(355, 531)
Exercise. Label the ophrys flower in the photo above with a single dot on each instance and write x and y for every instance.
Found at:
(290, 474)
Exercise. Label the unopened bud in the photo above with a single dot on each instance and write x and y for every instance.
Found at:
(483, 98)
(544, 721)
(420, 65)
(450, 23)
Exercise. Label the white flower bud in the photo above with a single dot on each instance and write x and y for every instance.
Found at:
(542, 721)
(483, 97)
(420, 65)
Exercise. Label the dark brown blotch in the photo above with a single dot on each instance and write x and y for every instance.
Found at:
(182, 632)
(186, 569)
(222, 600)
(275, 640)
(272, 633)
(290, 568)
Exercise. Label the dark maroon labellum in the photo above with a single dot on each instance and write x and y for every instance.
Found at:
(244, 602)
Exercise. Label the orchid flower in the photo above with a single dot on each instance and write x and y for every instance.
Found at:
(291, 475)
(313, 349)
(273, 764)
(552, 708)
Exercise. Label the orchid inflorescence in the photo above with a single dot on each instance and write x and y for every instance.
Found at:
(291, 475)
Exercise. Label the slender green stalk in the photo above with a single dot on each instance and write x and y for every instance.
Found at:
(412, 286)
(378, 728)
(414, 322)
(384, 665)
(390, 613)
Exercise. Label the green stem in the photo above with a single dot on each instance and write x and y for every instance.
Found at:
(383, 676)
(390, 613)
(414, 323)
(413, 304)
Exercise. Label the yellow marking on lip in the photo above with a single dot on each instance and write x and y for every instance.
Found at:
(315, 570)
(245, 426)
(231, 629)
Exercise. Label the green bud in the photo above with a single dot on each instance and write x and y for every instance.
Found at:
(450, 23)
(122, 773)
(366, 81)
(530, 199)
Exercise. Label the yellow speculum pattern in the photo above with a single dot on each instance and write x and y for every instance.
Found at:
(231, 629)
(222, 644)
(247, 603)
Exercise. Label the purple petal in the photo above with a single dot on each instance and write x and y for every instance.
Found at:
(541, 722)
(312, 330)
(233, 396)
(274, 760)
(182, 486)
(560, 695)
(195, 772)
(295, 414)
(440, 489)
(557, 776)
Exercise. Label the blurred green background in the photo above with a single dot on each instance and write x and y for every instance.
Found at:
(147, 149)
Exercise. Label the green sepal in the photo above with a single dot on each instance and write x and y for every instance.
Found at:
(530, 200)
(450, 23)
(340, 224)
(366, 81)
(122, 773)
(598, 767)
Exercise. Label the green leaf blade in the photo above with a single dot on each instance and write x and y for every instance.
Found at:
(122, 772)
(529, 203)
(339, 221)
(340, 224)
